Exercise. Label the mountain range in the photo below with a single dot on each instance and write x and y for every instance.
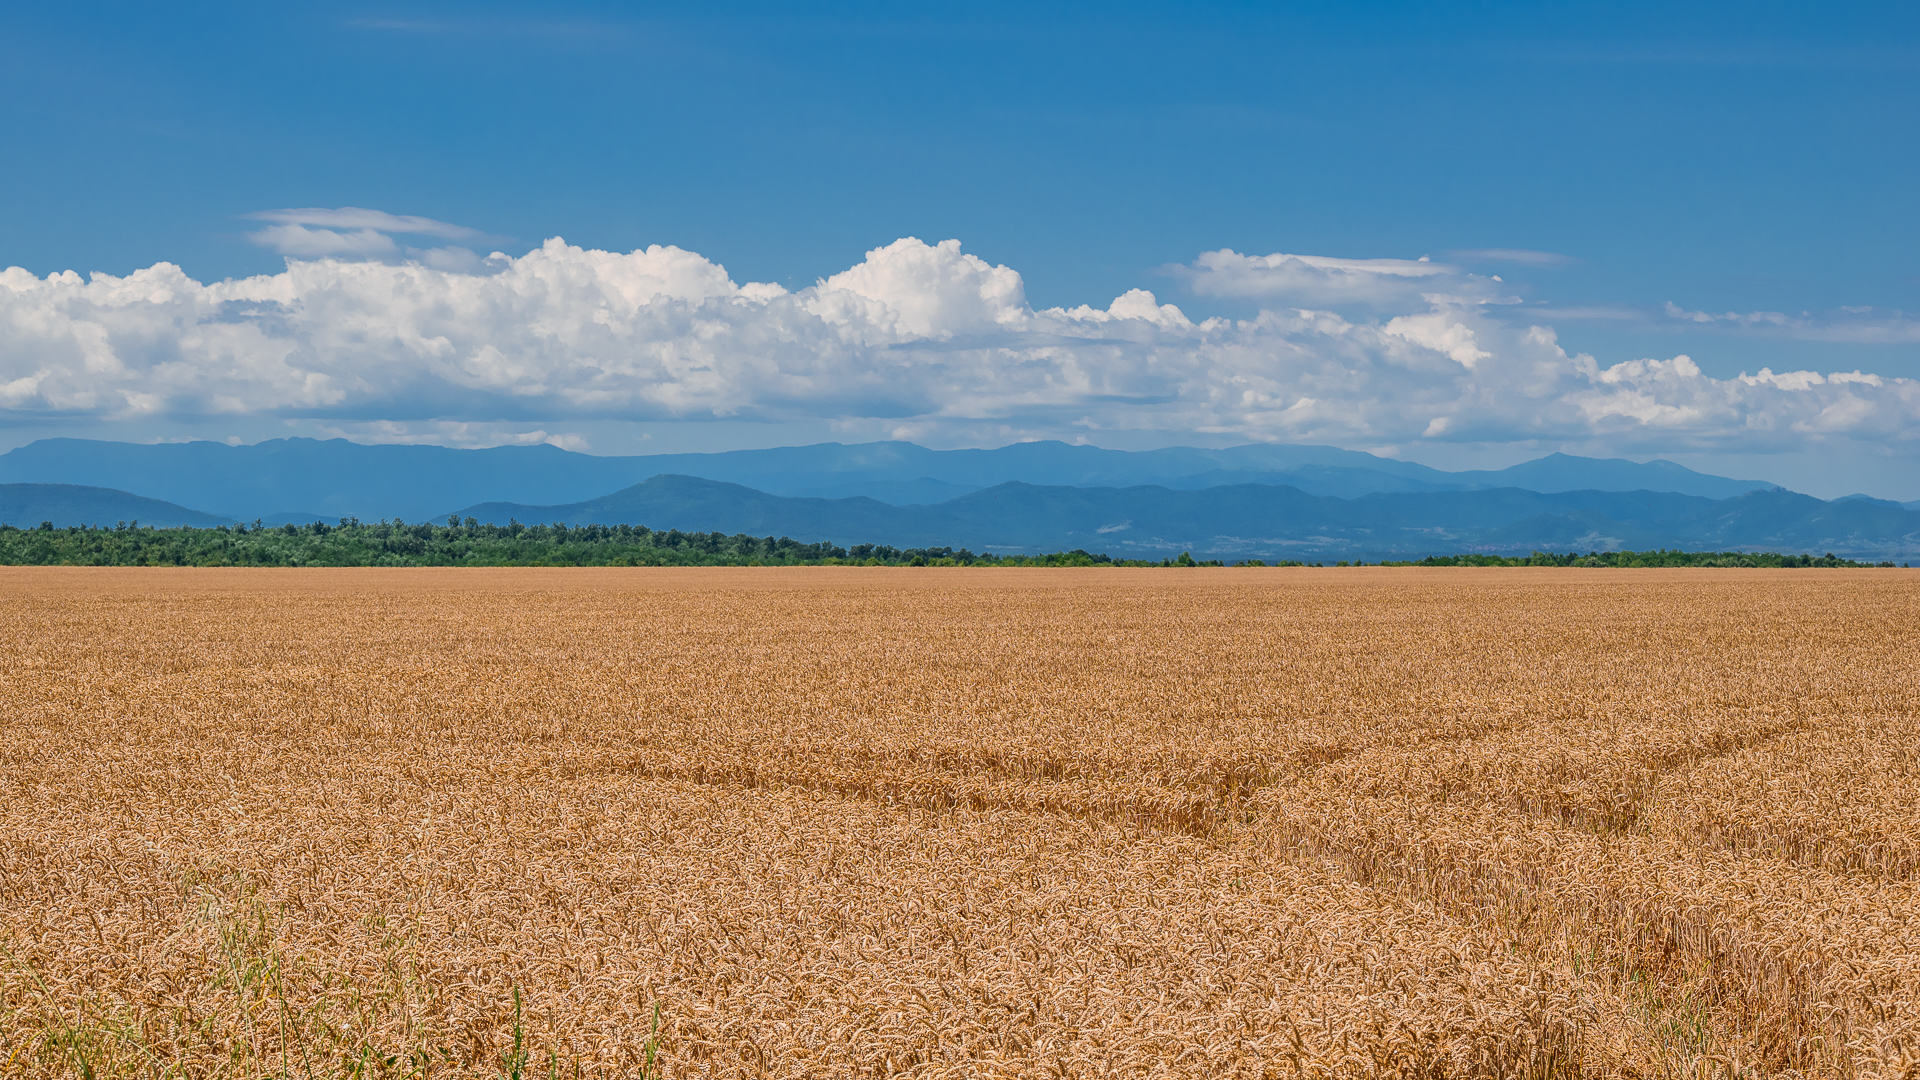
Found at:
(1258, 501)
(1265, 521)
(308, 479)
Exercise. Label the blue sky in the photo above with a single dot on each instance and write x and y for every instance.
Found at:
(1729, 182)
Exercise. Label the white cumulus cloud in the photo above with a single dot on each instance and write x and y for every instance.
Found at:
(921, 339)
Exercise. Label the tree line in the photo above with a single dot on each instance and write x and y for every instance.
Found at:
(471, 543)
(1656, 558)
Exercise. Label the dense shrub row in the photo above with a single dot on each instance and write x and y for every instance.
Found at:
(470, 543)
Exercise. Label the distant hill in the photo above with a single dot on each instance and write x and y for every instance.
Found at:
(1339, 481)
(298, 479)
(302, 479)
(1564, 472)
(690, 503)
(25, 506)
(923, 491)
(1258, 520)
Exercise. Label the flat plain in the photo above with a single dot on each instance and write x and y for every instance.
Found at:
(921, 822)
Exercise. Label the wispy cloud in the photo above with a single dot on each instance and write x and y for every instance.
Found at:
(465, 435)
(1857, 325)
(317, 243)
(1315, 280)
(578, 31)
(1588, 312)
(356, 232)
(355, 217)
(1895, 56)
(1518, 256)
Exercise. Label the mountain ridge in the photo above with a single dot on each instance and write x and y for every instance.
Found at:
(1256, 520)
(25, 506)
(303, 479)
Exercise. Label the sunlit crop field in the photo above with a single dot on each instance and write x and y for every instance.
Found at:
(833, 822)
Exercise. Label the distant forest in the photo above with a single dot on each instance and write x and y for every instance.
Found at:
(469, 543)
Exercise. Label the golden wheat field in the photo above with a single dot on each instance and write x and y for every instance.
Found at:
(849, 823)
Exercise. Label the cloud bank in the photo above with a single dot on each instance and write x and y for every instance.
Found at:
(926, 339)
